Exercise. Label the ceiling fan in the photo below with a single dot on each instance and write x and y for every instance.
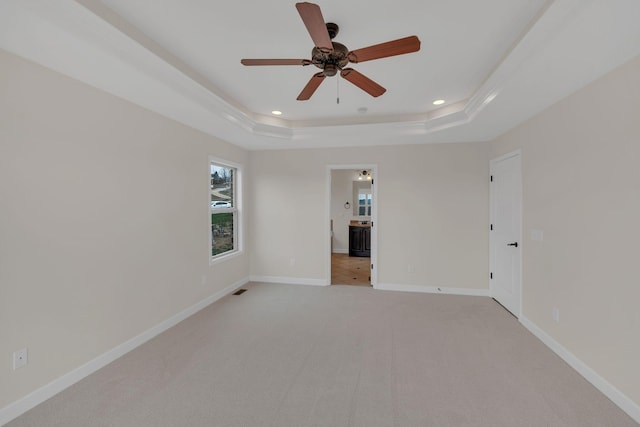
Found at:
(332, 56)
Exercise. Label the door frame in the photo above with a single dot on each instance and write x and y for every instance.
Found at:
(374, 216)
(517, 153)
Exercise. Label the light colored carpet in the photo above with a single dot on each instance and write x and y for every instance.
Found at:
(286, 355)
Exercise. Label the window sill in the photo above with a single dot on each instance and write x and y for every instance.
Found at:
(222, 258)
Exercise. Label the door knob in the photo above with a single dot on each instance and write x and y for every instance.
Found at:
(513, 244)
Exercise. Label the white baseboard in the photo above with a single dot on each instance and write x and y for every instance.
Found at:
(289, 280)
(340, 251)
(616, 396)
(38, 396)
(432, 289)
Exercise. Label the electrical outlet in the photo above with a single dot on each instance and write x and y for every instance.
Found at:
(555, 313)
(292, 262)
(203, 279)
(20, 358)
(410, 268)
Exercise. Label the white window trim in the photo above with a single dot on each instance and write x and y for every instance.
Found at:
(238, 228)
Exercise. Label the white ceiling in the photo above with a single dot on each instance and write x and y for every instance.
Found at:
(495, 62)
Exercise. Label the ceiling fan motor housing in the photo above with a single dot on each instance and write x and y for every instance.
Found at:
(330, 62)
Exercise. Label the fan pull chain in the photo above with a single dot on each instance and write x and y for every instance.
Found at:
(338, 90)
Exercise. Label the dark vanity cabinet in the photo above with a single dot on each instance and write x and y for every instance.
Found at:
(359, 240)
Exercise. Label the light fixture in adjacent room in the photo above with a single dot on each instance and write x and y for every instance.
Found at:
(438, 102)
(364, 174)
(276, 113)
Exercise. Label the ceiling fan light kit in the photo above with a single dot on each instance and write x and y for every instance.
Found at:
(333, 57)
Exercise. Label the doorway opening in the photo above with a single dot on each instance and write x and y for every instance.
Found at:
(351, 215)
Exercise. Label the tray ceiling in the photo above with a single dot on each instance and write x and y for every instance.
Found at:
(495, 62)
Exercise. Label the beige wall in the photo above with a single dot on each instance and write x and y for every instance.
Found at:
(432, 213)
(581, 188)
(103, 222)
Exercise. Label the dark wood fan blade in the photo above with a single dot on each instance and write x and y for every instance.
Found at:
(384, 50)
(275, 61)
(363, 82)
(312, 17)
(311, 87)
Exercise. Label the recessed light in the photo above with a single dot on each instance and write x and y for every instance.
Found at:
(276, 113)
(362, 110)
(438, 102)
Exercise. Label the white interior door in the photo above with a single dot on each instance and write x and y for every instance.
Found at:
(505, 241)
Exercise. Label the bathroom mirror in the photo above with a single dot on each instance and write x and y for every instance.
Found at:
(362, 198)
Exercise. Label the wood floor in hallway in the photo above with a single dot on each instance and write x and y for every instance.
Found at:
(348, 270)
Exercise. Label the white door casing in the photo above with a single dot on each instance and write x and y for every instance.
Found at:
(505, 241)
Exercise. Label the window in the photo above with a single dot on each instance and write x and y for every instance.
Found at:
(364, 202)
(224, 208)
(362, 198)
